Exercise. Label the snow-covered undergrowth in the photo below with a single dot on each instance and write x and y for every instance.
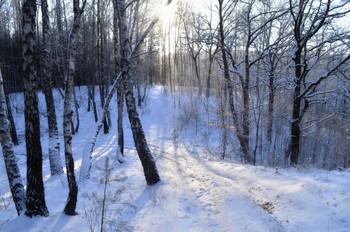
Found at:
(198, 191)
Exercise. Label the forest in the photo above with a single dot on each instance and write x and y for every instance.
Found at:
(270, 79)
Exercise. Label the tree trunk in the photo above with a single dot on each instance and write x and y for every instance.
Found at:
(10, 118)
(240, 136)
(67, 117)
(100, 62)
(13, 173)
(210, 69)
(120, 103)
(76, 107)
(120, 91)
(35, 203)
(270, 104)
(54, 140)
(295, 127)
(148, 163)
(86, 163)
(246, 108)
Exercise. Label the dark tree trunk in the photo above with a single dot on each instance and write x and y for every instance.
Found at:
(246, 108)
(120, 90)
(76, 107)
(89, 99)
(295, 127)
(296, 117)
(13, 130)
(270, 105)
(100, 62)
(120, 102)
(240, 136)
(210, 69)
(35, 202)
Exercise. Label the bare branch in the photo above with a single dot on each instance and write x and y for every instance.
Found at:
(324, 76)
(2, 2)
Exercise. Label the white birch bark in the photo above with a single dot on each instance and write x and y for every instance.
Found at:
(13, 174)
(35, 195)
(67, 114)
(145, 155)
(54, 140)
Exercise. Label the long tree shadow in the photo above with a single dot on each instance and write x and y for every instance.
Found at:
(133, 208)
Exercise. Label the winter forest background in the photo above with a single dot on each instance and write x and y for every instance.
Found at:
(270, 78)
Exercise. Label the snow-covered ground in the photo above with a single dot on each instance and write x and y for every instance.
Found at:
(198, 191)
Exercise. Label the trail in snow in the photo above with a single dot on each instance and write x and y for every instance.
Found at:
(206, 199)
(197, 193)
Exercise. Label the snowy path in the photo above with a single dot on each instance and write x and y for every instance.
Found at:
(206, 199)
(197, 193)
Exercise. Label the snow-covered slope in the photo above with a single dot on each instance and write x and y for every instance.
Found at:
(198, 191)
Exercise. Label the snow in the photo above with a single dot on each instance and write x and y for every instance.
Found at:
(198, 191)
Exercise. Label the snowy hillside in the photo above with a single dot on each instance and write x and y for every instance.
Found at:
(198, 191)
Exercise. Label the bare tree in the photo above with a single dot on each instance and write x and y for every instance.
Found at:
(222, 8)
(193, 34)
(311, 22)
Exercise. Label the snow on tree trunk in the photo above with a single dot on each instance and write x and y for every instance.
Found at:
(54, 140)
(13, 174)
(35, 202)
(148, 163)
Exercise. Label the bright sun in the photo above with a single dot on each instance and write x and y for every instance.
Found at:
(166, 13)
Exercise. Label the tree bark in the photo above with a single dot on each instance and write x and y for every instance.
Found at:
(148, 163)
(13, 173)
(67, 117)
(120, 105)
(13, 130)
(35, 202)
(54, 140)
(271, 101)
(120, 90)
(240, 135)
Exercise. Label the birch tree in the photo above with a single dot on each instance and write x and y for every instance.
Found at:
(124, 81)
(35, 202)
(148, 163)
(13, 173)
(67, 114)
(54, 140)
